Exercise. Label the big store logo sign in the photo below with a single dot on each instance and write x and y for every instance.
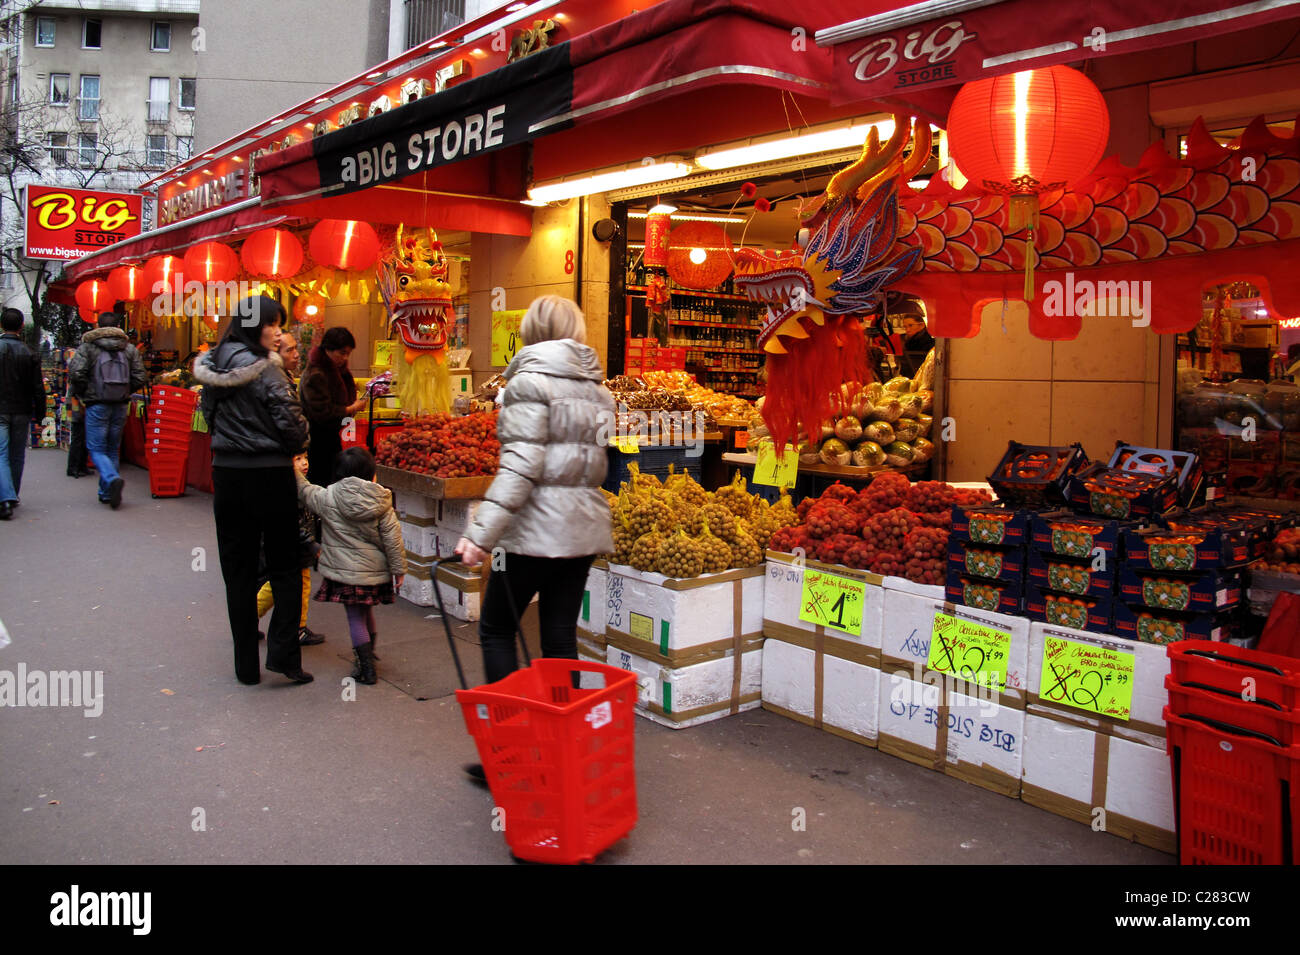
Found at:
(916, 58)
(67, 223)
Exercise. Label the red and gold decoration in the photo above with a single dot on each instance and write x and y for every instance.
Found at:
(161, 273)
(210, 262)
(93, 296)
(699, 255)
(813, 333)
(412, 278)
(272, 253)
(1023, 135)
(344, 244)
(657, 227)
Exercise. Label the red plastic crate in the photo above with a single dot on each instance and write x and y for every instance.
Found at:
(169, 428)
(155, 442)
(559, 760)
(1230, 794)
(163, 393)
(1226, 667)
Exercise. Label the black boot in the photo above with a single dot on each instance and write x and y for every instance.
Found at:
(364, 671)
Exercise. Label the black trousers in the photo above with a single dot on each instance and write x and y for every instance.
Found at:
(326, 444)
(560, 581)
(257, 508)
(78, 461)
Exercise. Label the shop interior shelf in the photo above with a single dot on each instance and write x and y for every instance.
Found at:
(695, 324)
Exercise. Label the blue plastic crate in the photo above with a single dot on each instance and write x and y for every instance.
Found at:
(654, 461)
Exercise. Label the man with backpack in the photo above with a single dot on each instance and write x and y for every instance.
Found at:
(103, 374)
(22, 397)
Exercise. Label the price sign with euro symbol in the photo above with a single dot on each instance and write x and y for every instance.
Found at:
(1095, 677)
(972, 651)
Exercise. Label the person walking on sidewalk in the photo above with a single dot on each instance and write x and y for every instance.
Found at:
(257, 427)
(544, 508)
(22, 397)
(361, 557)
(329, 394)
(78, 462)
(103, 374)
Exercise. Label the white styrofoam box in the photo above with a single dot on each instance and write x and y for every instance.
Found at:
(454, 516)
(420, 506)
(590, 650)
(671, 696)
(909, 626)
(1151, 665)
(417, 590)
(1137, 793)
(932, 591)
(783, 596)
(428, 541)
(850, 690)
(593, 614)
(462, 382)
(984, 742)
(675, 615)
(460, 598)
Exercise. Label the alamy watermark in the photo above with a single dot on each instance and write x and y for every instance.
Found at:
(1084, 297)
(45, 688)
(181, 297)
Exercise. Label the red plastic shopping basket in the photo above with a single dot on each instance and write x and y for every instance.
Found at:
(558, 759)
(1223, 666)
(1231, 793)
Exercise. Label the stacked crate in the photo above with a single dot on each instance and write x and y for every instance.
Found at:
(167, 433)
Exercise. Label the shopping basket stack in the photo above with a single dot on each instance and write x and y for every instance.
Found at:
(1234, 740)
(167, 433)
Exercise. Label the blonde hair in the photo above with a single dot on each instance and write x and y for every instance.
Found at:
(551, 318)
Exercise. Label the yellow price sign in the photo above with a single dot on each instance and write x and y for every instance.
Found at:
(776, 471)
(832, 601)
(1094, 677)
(505, 335)
(628, 445)
(384, 352)
(969, 650)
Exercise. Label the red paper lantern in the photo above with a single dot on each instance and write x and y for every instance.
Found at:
(163, 274)
(88, 315)
(309, 308)
(211, 262)
(344, 244)
(1023, 134)
(699, 255)
(657, 225)
(275, 253)
(93, 296)
(127, 283)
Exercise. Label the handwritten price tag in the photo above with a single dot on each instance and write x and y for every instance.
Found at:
(505, 335)
(970, 650)
(1087, 676)
(831, 601)
(628, 445)
(776, 471)
(384, 351)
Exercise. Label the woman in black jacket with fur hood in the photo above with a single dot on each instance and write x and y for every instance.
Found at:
(257, 427)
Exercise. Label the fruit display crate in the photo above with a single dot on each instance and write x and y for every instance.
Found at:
(397, 479)
(1035, 475)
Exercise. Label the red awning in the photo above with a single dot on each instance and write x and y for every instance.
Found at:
(933, 44)
(240, 220)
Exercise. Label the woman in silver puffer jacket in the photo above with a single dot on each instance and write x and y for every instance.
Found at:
(544, 514)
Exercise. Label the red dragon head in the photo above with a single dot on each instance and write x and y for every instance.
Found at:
(812, 333)
(413, 281)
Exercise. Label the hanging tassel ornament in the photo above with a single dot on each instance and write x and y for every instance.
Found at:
(1023, 214)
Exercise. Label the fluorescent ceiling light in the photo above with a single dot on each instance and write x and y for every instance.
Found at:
(662, 208)
(782, 147)
(690, 217)
(533, 202)
(604, 182)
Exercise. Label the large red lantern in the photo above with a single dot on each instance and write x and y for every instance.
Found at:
(163, 274)
(93, 296)
(127, 283)
(1024, 134)
(699, 255)
(211, 262)
(274, 253)
(309, 309)
(344, 244)
(657, 225)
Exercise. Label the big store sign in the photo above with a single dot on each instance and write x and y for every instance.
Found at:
(67, 223)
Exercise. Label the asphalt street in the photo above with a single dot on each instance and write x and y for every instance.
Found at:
(184, 765)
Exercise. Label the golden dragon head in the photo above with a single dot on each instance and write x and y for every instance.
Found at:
(413, 281)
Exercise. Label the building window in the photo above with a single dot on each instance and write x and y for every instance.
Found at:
(426, 19)
(90, 34)
(88, 108)
(162, 37)
(187, 84)
(45, 31)
(159, 99)
(156, 151)
(184, 148)
(59, 88)
(88, 152)
(56, 145)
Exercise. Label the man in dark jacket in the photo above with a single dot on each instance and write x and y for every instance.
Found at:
(103, 374)
(917, 340)
(22, 397)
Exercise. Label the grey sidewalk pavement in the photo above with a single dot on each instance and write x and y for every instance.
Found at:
(280, 773)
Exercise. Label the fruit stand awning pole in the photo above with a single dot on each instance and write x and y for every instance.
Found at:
(948, 42)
